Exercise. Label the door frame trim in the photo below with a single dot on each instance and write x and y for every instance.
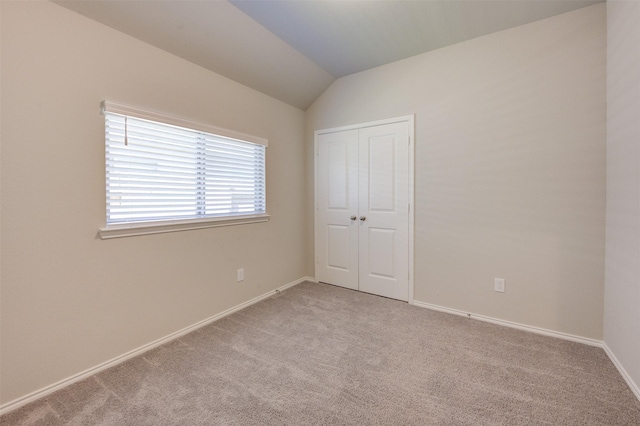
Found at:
(410, 119)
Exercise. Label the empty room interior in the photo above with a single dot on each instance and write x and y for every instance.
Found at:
(386, 212)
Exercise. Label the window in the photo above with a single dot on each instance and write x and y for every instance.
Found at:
(166, 174)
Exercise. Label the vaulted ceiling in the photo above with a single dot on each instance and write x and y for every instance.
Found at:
(293, 50)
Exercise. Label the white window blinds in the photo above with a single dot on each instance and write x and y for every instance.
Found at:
(163, 172)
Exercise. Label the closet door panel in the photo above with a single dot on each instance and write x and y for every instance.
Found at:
(384, 210)
(337, 203)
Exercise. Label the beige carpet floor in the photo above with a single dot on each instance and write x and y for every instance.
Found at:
(322, 355)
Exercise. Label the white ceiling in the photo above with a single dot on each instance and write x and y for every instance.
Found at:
(293, 50)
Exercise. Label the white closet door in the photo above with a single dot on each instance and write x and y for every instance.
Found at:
(337, 208)
(362, 200)
(384, 210)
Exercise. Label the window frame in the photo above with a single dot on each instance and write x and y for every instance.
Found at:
(128, 229)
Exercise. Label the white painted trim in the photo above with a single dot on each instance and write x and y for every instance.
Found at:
(406, 118)
(19, 402)
(316, 267)
(627, 378)
(412, 204)
(510, 324)
(160, 227)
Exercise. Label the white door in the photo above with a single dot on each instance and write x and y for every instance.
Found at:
(337, 204)
(384, 210)
(363, 209)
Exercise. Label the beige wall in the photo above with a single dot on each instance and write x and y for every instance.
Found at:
(69, 300)
(622, 284)
(510, 167)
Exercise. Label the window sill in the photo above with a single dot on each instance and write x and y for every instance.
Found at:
(133, 229)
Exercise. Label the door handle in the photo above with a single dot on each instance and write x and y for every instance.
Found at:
(353, 217)
(363, 218)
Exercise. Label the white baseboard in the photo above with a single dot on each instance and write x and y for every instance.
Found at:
(19, 402)
(627, 378)
(532, 329)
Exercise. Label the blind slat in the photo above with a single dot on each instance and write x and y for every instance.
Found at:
(163, 172)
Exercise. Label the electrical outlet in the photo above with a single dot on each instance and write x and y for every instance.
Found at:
(499, 285)
(240, 274)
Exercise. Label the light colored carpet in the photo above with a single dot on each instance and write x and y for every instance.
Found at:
(320, 355)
